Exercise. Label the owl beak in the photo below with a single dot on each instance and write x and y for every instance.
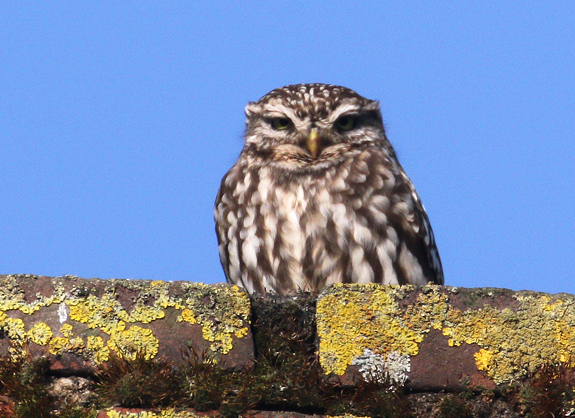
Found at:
(313, 142)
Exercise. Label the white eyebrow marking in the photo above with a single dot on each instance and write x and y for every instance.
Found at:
(345, 108)
(271, 111)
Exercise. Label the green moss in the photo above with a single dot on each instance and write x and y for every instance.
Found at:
(23, 390)
(454, 406)
(550, 392)
(138, 382)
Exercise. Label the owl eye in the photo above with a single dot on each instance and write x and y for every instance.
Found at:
(280, 124)
(345, 123)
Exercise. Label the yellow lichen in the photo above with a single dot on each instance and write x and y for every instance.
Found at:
(102, 313)
(144, 314)
(351, 318)
(76, 344)
(227, 314)
(430, 310)
(58, 344)
(188, 316)
(40, 334)
(95, 345)
(134, 341)
(222, 312)
(14, 328)
(163, 300)
(12, 296)
(106, 312)
(515, 344)
(67, 330)
(483, 359)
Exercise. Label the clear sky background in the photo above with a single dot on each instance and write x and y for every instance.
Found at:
(118, 120)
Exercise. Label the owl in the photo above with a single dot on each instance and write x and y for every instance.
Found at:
(317, 196)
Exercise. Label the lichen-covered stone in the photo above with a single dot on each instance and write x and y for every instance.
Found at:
(353, 318)
(431, 338)
(509, 334)
(92, 319)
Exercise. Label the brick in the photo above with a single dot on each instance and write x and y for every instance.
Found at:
(79, 323)
(433, 339)
(442, 338)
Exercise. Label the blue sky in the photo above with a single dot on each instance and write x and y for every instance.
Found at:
(118, 120)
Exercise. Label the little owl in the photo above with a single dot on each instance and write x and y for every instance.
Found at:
(318, 196)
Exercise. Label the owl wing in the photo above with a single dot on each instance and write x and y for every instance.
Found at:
(418, 254)
(395, 215)
(223, 207)
(237, 228)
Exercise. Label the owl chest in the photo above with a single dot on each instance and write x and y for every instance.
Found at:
(298, 213)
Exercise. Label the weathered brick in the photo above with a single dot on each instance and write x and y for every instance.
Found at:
(433, 339)
(436, 338)
(79, 323)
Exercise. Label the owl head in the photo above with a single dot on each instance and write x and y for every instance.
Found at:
(311, 126)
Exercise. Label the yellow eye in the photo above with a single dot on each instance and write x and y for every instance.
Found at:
(279, 124)
(345, 123)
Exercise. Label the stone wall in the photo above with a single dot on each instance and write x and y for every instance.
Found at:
(426, 344)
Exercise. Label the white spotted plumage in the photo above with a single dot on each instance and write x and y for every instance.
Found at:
(317, 197)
